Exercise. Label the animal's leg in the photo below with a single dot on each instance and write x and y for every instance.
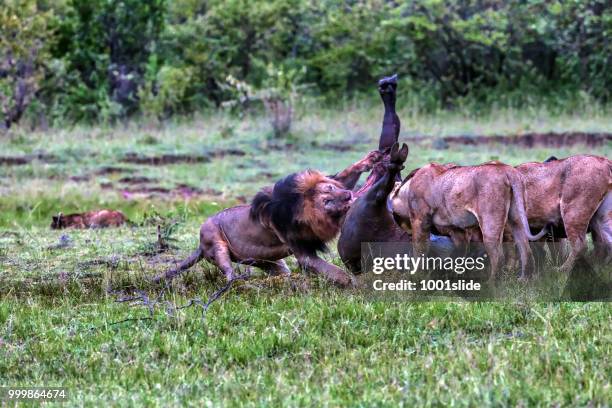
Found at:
(577, 239)
(576, 212)
(602, 240)
(222, 258)
(276, 268)
(601, 230)
(558, 247)
(349, 176)
(600, 248)
(511, 256)
(522, 243)
(575, 228)
(420, 236)
(377, 187)
(331, 272)
(492, 232)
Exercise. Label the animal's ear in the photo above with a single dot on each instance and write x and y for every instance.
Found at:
(394, 150)
(398, 156)
(403, 153)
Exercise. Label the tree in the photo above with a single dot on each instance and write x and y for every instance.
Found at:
(24, 45)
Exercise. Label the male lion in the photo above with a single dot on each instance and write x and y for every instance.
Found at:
(90, 219)
(461, 201)
(298, 216)
(569, 194)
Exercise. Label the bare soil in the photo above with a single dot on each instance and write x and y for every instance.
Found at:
(525, 140)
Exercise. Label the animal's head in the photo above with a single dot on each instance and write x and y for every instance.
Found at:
(387, 85)
(328, 198)
(57, 221)
(403, 202)
(306, 208)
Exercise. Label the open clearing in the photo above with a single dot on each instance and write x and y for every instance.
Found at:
(65, 317)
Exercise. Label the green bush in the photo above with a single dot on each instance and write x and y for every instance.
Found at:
(24, 43)
(108, 59)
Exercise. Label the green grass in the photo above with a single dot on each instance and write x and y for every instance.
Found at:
(268, 342)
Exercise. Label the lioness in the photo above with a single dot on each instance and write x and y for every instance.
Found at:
(456, 200)
(601, 229)
(90, 219)
(298, 216)
(566, 194)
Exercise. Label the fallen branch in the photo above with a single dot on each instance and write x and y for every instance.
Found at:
(131, 319)
(143, 299)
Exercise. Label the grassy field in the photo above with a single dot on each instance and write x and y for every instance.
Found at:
(269, 341)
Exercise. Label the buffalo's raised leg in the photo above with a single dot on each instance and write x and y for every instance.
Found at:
(387, 88)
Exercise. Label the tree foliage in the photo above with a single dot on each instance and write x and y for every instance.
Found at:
(86, 60)
(23, 50)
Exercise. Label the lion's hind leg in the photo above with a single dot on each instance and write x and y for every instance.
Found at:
(222, 259)
(216, 248)
(576, 217)
(601, 231)
(492, 229)
(277, 268)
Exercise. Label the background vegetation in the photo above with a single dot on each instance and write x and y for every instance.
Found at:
(268, 342)
(84, 88)
(67, 61)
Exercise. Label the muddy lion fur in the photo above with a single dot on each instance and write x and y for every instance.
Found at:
(573, 195)
(298, 216)
(89, 219)
(460, 201)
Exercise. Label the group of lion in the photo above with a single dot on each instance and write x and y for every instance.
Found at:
(490, 203)
(494, 202)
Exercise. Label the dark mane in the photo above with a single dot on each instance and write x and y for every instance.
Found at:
(282, 208)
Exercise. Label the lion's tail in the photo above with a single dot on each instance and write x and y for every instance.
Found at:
(518, 204)
(195, 256)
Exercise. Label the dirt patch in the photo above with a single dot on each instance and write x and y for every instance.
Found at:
(21, 160)
(336, 147)
(278, 147)
(13, 161)
(526, 140)
(137, 180)
(106, 170)
(180, 190)
(220, 153)
(252, 163)
(166, 159)
(79, 178)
